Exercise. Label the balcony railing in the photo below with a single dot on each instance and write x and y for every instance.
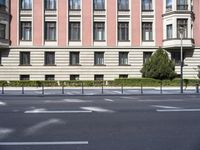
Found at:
(182, 7)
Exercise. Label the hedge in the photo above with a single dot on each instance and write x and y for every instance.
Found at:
(132, 82)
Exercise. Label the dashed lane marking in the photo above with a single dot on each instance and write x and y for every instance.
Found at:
(97, 109)
(109, 100)
(43, 143)
(178, 110)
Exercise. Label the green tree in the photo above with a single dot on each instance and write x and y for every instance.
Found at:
(159, 66)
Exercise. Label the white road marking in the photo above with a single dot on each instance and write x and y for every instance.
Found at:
(4, 132)
(56, 112)
(43, 143)
(130, 98)
(166, 107)
(2, 103)
(68, 101)
(35, 128)
(109, 100)
(160, 100)
(118, 92)
(178, 110)
(96, 109)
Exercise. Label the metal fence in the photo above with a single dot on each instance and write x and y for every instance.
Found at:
(95, 90)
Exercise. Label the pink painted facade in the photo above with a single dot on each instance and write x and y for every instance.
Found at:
(196, 8)
(13, 22)
(62, 19)
(37, 22)
(111, 22)
(159, 22)
(87, 18)
(87, 22)
(136, 22)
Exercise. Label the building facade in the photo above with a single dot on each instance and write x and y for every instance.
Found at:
(94, 39)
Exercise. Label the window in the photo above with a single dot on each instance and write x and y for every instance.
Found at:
(123, 31)
(49, 58)
(26, 4)
(99, 4)
(74, 31)
(2, 31)
(49, 77)
(26, 31)
(147, 34)
(24, 77)
(176, 57)
(99, 31)
(123, 58)
(98, 77)
(146, 56)
(99, 58)
(123, 5)
(74, 5)
(24, 58)
(182, 5)
(50, 4)
(169, 32)
(74, 77)
(74, 58)
(146, 5)
(50, 31)
(168, 5)
(0, 59)
(2, 4)
(182, 23)
(123, 76)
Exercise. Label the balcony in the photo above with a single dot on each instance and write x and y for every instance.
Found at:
(176, 43)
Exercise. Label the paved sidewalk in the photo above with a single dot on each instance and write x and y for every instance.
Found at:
(94, 90)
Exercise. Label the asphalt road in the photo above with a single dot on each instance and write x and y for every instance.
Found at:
(146, 122)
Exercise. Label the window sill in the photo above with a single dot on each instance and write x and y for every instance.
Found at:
(50, 40)
(148, 10)
(99, 9)
(147, 40)
(74, 9)
(99, 40)
(75, 65)
(124, 10)
(74, 40)
(123, 40)
(48, 9)
(99, 65)
(49, 65)
(25, 65)
(125, 65)
(25, 40)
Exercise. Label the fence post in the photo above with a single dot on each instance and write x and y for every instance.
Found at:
(22, 89)
(161, 88)
(197, 88)
(102, 89)
(141, 89)
(63, 89)
(122, 88)
(2, 90)
(82, 88)
(42, 89)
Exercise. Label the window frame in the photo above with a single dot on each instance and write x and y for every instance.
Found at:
(149, 4)
(47, 61)
(73, 77)
(50, 27)
(120, 5)
(71, 59)
(102, 8)
(3, 31)
(99, 26)
(74, 27)
(99, 61)
(147, 26)
(25, 26)
(72, 3)
(49, 77)
(29, 7)
(47, 5)
(124, 56)
(123, 26)
(25, 61)
(24, 77)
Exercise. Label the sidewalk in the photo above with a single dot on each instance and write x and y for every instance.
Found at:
(94, 90)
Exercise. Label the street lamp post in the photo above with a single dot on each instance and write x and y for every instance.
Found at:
(181, 31)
